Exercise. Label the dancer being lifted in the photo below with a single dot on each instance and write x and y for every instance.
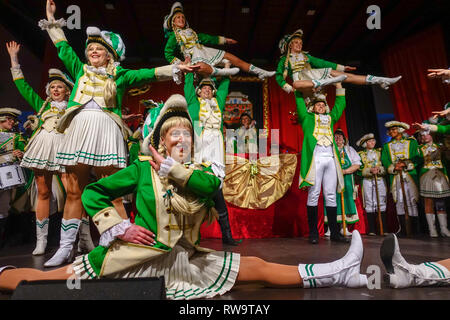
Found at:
(309, 73)
(184, 45)
(94, 110)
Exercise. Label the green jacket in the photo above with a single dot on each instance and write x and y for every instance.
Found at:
(315, 63)
(193, 100)
(172, 50)
(152, 212)
(308, 122)
(388, 158)
(428, 162)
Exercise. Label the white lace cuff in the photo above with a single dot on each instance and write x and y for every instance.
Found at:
(166, 166)
(177, 74)
(45, 24)
(218, 169)
(16, 72)
(110, 235)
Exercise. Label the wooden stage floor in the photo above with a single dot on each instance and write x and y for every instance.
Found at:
(294, 251)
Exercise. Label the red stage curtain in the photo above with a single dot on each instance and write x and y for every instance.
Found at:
(415, 96)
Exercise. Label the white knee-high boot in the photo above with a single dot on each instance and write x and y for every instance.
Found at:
(344, 272)
(85, 244)
(261, 73)
(69, 231)
(382, 81)
(41, 236)
(328, 81)
(401, 274)
(224, 71)
(443, 224)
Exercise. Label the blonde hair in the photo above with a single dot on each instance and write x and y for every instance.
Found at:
(182, 201)
(110, 90)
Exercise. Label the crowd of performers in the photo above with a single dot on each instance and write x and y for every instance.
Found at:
(80, 138)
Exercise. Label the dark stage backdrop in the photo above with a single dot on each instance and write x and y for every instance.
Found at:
(415, 96)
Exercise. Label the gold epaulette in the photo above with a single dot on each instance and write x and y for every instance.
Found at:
(206, 164)
(145, 158)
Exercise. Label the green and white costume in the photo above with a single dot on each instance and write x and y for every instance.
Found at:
(95, 132)
(41, 149)
(434, 181)
(185, 42)
(405, 149)
(190, 271)
(370, 159)
(348, 157)
(208, 121)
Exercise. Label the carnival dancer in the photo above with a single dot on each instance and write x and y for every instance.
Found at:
(350, 163)
(441, 126)
(184, 45)
(12, 145)
(174, 198)
(401, 274)
(206, 105)
(94, 110)
(320, 161)
(374, 188)
(400, 157)
(434, 184)
(41, 149)
(310, 73)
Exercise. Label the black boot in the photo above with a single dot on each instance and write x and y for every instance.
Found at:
(414, 226)
(312, 223)
(334, 228)
(2, 232)
(402, 223)
(372, 223)
(224, 222)
(384, 221)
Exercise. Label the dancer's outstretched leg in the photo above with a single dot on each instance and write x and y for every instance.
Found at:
(401, 274)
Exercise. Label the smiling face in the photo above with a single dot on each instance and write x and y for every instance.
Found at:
(340, 140)
(7, 124)
(395, 133)
(246, 121)
(370, 144)
(178, 142)
(179, 20)
(296, 45)
(58, 91)
(320, 107)
(206, 92)
(97, 55)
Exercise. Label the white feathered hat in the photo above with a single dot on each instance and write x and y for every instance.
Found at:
(362, 141)
(56, 74)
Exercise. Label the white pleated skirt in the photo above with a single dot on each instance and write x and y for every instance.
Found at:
(94, 139)
(188, 274)
(312, 74)
(434, 184)
(207, 55)
(41, 153)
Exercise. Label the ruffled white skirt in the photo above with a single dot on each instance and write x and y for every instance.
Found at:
(434, 184)
(94, 139)
(41, 153)
(188, 273)
(207, 55)
(312, 74)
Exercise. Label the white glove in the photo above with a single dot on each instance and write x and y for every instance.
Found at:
(288, 88)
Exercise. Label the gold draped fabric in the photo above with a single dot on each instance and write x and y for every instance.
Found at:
(258, 184)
